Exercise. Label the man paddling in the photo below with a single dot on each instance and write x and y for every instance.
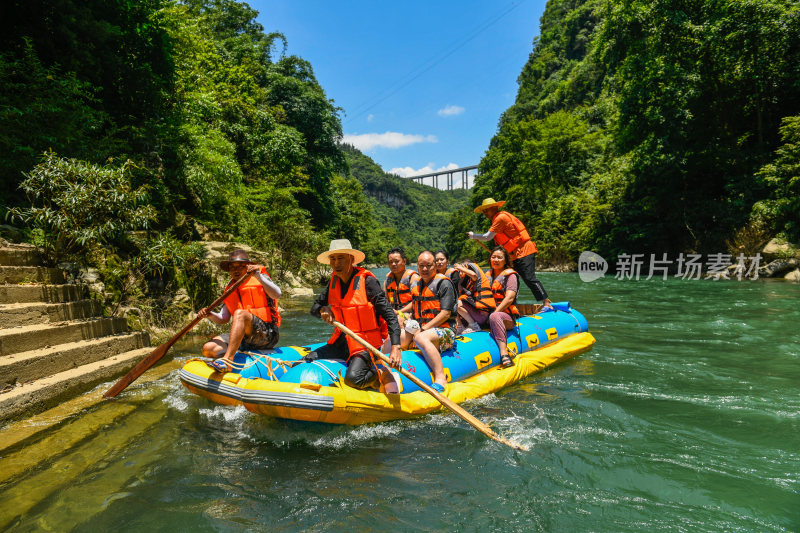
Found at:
(510, 233)
(354, 297)
(253, 307)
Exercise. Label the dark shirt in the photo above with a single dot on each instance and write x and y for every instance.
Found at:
(375, 296)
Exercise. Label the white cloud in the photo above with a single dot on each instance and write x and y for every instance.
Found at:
(407, 172)
(450, 111)
(390, 139)
(370, 117)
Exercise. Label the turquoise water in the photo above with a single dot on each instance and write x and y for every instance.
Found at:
(684, 416)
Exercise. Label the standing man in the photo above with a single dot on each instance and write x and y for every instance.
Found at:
(253, 307)
(354, 298)
(432, 304)
(508, 232)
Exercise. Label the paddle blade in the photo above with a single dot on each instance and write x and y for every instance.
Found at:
(138, 370)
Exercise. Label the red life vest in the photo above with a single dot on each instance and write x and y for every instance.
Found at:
(479, 292)
(399, 294)
(251, 297)
(514, 235)
(426, 304)
(355, 311)
(499, 290)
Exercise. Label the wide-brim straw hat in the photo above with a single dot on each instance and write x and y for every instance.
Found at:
(487, 203)
(236, 256)
(341, 246)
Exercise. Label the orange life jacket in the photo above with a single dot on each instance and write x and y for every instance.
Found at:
(426, 304)
(399, 294)
(499, 290)
(355, 311)
(478, 292)
(514, 235)
(251, 297)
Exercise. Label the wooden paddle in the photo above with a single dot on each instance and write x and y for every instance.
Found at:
(161, 351)
(444, 400)
(483, 246)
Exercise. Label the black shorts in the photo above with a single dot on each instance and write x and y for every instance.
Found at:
(263, 336)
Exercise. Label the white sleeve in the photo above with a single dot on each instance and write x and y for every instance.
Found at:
(272, 290)
(488, 236)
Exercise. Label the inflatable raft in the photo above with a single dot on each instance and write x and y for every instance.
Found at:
(277, 383)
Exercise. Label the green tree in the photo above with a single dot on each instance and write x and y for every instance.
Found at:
(75, 204)
(782, 177)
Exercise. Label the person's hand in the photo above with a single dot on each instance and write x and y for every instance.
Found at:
(203, 313)
(326, 314)
(253, 268)
(470, 235)
(395, 357)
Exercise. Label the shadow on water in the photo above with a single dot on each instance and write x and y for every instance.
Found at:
(685, 415)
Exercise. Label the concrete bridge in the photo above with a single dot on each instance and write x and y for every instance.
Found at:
(451, 176)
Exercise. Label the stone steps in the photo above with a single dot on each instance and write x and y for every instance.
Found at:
(11, 294)
(26, 338)
(25, 314)
(42, 393)
(54, 341)
(20, 255)
(96, 462)
(31, 365)
(31, 274)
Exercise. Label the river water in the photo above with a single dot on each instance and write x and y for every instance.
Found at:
(684, 416)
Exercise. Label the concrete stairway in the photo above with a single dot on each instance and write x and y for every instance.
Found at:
(54, 341)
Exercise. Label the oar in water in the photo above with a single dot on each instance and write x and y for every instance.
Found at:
(444, 400)
(161, 351)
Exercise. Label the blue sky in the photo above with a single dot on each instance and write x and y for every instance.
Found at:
(422, 84)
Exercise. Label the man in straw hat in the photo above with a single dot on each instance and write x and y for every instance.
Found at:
(354, 297)
(253, 307)
(508, 232)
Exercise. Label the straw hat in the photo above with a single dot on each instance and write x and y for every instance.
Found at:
(341, 246)
(236, 256)
(487, 203)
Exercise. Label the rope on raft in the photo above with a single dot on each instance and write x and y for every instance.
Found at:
(265, 360)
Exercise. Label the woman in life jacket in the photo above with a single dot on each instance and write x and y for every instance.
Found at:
(505, 285)
(441, 261)
(398, 283)
(475, 298)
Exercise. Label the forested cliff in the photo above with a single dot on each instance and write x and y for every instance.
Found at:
(653, 126)
(220, 123)
(639, 126)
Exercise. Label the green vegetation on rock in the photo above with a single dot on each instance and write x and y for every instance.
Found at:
(650, 126)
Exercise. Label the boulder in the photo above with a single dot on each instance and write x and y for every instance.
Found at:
(181, 297)
(794, 275)
(780, 249)
(778, 267)
(90, 275)
(300, 291)
(12, 234)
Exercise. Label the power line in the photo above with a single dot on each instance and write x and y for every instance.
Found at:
(367, 106)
